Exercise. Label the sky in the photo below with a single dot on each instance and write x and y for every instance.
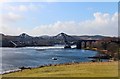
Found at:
(51, 18)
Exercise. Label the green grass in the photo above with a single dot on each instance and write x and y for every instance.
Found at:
(97, 69)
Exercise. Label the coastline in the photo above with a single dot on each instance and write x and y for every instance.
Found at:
(41, 66)
(22, 71)
(71, 63)
(63, 64)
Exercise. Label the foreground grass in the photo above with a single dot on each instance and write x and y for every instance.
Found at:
(97, 69)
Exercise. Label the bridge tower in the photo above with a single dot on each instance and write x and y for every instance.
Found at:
(67, 44)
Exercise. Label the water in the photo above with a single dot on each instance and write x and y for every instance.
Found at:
(13, 58)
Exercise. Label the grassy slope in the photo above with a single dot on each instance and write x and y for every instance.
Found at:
(101, 69)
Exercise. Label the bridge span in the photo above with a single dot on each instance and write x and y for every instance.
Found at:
(83, 43)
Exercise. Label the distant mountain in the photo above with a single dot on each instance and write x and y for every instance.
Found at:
(95, 37)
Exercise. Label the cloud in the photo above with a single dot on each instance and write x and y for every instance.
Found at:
(103, 24)
(20, 7)
(11, 30)
(11, 17)
(7, 25)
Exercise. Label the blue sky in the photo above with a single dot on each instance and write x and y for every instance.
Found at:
(27, 16)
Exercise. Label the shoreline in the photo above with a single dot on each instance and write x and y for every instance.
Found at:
(64, 64)
(71, 63)
(49, 65)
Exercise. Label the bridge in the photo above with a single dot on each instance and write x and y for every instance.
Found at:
(83, 43)
(13, 43)
(67, 44)
(79, 43)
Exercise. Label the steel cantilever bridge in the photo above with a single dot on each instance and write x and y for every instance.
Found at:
(79, 43)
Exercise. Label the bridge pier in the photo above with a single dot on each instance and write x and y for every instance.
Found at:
(79, 43)
(85, 44)
(90, 44)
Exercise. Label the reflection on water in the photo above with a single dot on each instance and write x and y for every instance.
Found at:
(12, 58)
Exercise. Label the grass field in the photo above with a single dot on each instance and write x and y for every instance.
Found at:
(91, 69)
